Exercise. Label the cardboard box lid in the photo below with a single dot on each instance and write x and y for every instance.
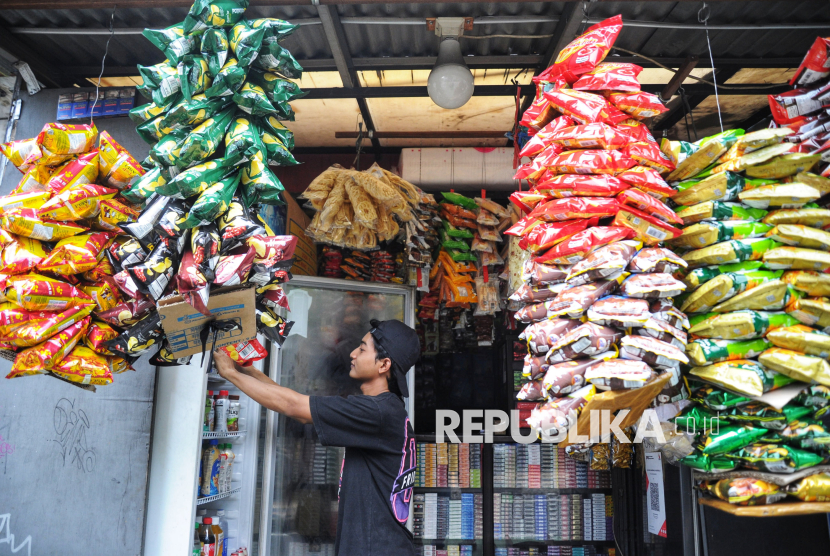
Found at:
(182, 323)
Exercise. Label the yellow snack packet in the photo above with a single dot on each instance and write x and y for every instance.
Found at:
(103, 295)
(36, 179)
(62, 139)
(77, 171)
(814, 284)
(781, 195)
(797, 365)
(109, 150)
(797, 258)
(801, 236)
(38, 359)
(76, 254)
(783, 166)
(33, 200)
(21, 255)
(813, 217)
(84, 366)
(801, 338)
(25, 222)
(34, 292)
(815, 488)
(77, 203)
(812, 311)
(23, 154)
(124, 171)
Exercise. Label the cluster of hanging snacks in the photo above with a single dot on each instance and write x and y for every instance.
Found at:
(96, 239)
(597, 283)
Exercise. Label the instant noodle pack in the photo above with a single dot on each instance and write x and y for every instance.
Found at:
(93, 240)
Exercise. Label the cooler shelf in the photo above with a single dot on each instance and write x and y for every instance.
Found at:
(234, 434)
(206, 499)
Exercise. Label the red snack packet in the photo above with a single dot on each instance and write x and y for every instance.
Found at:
(542, 139)
(580, 185)
(527, 200)
(105, 295)
(648, 204)
(40, 293)
(84, 366)
(114, 213)
(583, 53)
(76, 203)
(816, 63)
(76, 254)
(79, 171)
(245, 353)
(124, 281)
(538, 114)
(548, 234)
(535, 168)
(646, 179)
(21, 255)
(234, 268)
(127, 313)
(102, 271)
(649, 154)
(192, 284)
(575, 207)
(24, 328)
(585, 108)
(610, 76)
(98, 335)
(590, 136)
(275, 297)
(523, 226)
(786, 108)
(638, 105)
(649, 230)
(591, 162)
(576, 247)
(637, 130)
(42, 357)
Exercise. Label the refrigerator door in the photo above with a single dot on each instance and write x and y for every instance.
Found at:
(300, 477)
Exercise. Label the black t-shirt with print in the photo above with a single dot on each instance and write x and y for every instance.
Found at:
(377, 474)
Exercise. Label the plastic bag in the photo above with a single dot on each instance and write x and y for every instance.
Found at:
(621, 312)
(60, 139)
(34, 180)
(576, 207)
(253, 100)
(139, 337)
(648, 154)
(547, 234)
(603, 263)
(567, 377)
(543, 137)
(203, 141)
(194, 76)
(271, 325)
(748, 378)
(23, 153)
(725, 286)
(610, 76)
(638, 105)
(734, 251)
(797, 258)
(573, 302)
(76, 203)
(590, 162)
(576, 185)
(41, 293)
(76, 254)
(542, 335)
(719, 211)
(655, 353)
(589, 136)
(619, 374)
(196, 179)
(99, 333)
(704, 234)
(24, 222)
(583, 53)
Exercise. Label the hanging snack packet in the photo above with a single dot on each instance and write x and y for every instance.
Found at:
(23, 153)
(621, 312)
(260, 185)
(815, 488)
(172, 41)
(649, 205)
(542, 335)
(575, 248)
(78, 171)
(144, 186)
(274, 57)
(772, 295)
(113, 214)
(796, 365)
(23, 328)
(105, 295)
(24, 222)
(650, 155)
(538, 274)
(102, 271)
(543, 137)
(245, 42)
(278, 248)
(573, 302)
(718, 187)
(127, 313)
(536, 294)
(589, 136)
(279, 90)
(21, 255)
(99, 333)
(784, 166)
(84, 366)
(576, 185)
(237, 225)
(233, 268)
(648, 229)
(229, 80)
(192, 284)
(774, 458)
(243, 137)
(567, 377)
(186, 114)
(34, 292)
(146, 112)
(34, 180)
(196, 179)
(42, 357)
(532, 391)
(205, 14)
(212, 203)
(152, 275)
(272, 125)
(610, 76)
(814, 284)
(125, 252)
(748, 378)
(76, 203)
(801, 236)
(253, 100)
(60, 139)
(813, 217)
(801, 338)
(759, 414)
(165, 358)
(585, 108)
(638, 105)
(783, 195)
(583, 53)
(747, 491)
(584, 341)
(657, 354)
(704, 234)
(656, 259)
(124, 171)
(126, 284)
(33, 200)
(193, 75)
(740, 325)
(733, 251)
(214, 49)
(203, 141)
(76, 254)
(729, 438)
(138, 338)
(725, 286)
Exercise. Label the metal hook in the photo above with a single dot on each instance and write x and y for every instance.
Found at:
(704, 13)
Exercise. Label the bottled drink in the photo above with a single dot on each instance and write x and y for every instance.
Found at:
(207, 538)
(233, 413)
(210, 469)
(219, 533)
(197, 544)
(221, 420)
(209, 412)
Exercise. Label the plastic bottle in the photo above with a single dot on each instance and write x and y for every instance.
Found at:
(223, 469)
(209, 412)
(197, 543)
(219, 533)
(210, 473)
(222, 402)
(223, 523)
(229, 466)
(233, 413)
(207, 538)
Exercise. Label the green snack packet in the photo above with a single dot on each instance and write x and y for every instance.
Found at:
(697, 418)
(245, 42)
(732, 251)
(168, 150)
(710, 464)
(148, 163)
(243, 138)
(720, 211)
(699, 276)
(275, 29)
(186, 114)
(214, 49)
(155, 75)
(276, 151)
(274, 57)
(172, 41)
(759, 414)
(193, 75)
(461, 200)
(717, 400)
(144, 186)
(212, 203)
(229, 79)
(452, 231)
(273, 126)
(729, 439)
(807, 434)
(704, 234)
(145, 112)
(280, 91)
(815, 396)
(745, 324)
(703, 352)
(252, 99)
(448, 242)
(205, 14)
(153, 130)
(196, 179)
(461, 256)
(742, 376)
(259, 184)
(205, 139)
(774, 458)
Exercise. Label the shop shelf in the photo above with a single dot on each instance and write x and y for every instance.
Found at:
(419, 540)
(533, 543)
(519, 490)
(446, 490)
(229, 434)
(206, 499)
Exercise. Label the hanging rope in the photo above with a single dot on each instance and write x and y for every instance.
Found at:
(101, 75)
(703, 17)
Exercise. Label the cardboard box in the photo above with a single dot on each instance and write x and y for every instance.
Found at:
(65, 106)
(182, 323)
(126, 99)
(111, 102)
(96, 107)
(305, 255)
(80, 105)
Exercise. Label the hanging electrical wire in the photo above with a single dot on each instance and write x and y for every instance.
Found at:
(704, 19)
(104, 59)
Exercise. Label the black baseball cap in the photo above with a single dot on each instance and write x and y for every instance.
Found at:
(401, 344)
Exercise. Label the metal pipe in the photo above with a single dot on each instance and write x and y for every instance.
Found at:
(716, 27)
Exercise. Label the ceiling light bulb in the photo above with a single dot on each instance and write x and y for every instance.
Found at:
(450, 83)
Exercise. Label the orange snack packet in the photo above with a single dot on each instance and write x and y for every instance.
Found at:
(84, 366)
(21, 255)
(42, 357)
(76, 203)
(34, 292)
(76, 254)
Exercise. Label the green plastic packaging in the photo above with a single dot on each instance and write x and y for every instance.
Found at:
(454, 232)
(212, 203)
(276, 151)
(259, 184)
(280, 91)
(205, 139)
(272, 125)
(461, 200)
(707, 463)
(732, 251)
(448, 242)
(190, 114)
(193, 74)
(173, 41)
(759, 414)
(215, 47)
(728, 439)
(275, 29)
(461, 256)
(815, 396)
(153, 130)
(703, 352)
(242, 138)
(229, 79)
(697, 418)
(807, 434)
(205, 14)
(720, 211)
(245, 42)
(274, 57)
(716, 399)
(196, 179)
(774, 458)
(707, 233)
(738, 325)
(253, 100)
(168, 150)
(144, 186)
(145, 112)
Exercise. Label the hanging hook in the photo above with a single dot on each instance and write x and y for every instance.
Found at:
(704, 13)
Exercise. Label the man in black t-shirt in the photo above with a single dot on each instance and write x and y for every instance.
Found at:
(378, 470)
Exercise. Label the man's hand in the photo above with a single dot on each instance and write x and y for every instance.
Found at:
(224, 364)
